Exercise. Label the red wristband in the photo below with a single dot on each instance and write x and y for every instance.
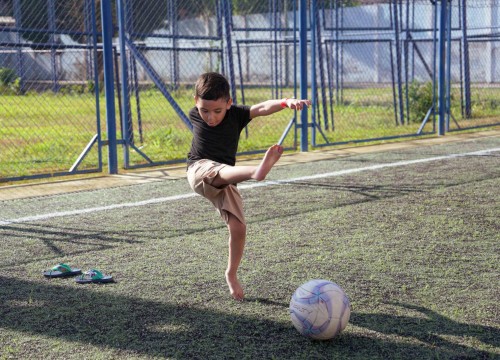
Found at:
(283, 103)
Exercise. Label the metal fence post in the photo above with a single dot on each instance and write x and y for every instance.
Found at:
(303, 73)
(109, 90)
(314, 85)
(442, 68)
(226, 6)
(126, 120)
(20, 68)
(467, 113)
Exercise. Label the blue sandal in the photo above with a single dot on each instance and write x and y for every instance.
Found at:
(61, 270)
(94, 276)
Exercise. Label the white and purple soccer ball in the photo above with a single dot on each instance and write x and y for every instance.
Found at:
(320, 309)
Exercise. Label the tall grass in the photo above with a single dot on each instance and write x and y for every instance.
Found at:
(46, 132)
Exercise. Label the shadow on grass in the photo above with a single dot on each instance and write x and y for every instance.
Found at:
(134, 326)
(434, 330)
(61, 240)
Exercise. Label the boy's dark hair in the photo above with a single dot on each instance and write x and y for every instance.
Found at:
(212, 86)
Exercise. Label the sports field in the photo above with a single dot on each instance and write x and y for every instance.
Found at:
(412, 235)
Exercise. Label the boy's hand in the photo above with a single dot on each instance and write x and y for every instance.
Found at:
(295, 104)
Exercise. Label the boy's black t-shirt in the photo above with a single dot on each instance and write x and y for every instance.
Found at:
(219, 143)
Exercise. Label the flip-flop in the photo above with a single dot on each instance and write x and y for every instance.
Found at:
(61, 270)
(94, 276)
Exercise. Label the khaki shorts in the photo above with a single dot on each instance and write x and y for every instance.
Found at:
(226, 199)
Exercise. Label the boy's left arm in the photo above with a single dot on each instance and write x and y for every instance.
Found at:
(271, 106)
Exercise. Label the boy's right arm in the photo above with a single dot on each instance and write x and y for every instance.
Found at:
(271, 106)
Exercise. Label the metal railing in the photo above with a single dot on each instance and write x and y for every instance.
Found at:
(375, 70)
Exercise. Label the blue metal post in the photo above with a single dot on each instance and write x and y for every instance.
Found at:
(87, 14)
(448, 71)
(338, 64)
(126, 119)
(274, 52)
(314, 85)
(175, 43)
(434, 67)
(303, 73)
(295, 82)
(109, 90)
(466, 61)
(321, 62)
(93, 23)
(20, 60)
(397, 29)
(226, 5)
(442, 68)
(51, 9)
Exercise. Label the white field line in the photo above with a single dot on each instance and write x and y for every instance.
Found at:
(47, 216)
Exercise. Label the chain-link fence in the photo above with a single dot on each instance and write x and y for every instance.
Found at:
(242, 40)
(475, 69)
(381, 67)
(371, 67)
(49, 108)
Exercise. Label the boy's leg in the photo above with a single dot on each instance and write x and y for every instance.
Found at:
(237, 174)
(237, 236)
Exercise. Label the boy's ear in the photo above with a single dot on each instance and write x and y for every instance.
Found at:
(229, 103)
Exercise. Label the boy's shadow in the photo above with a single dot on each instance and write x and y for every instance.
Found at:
(431, 328)
(175, 328)
(91, 315)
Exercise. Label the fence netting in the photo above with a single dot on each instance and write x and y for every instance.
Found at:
(372, 71)
(49, 110)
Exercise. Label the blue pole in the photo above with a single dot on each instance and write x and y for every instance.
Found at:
(229, 47)
(93, 57)
(51, 8)
(20, 60)
(175, 42)
(338, 62)
(87, 29)
(466, 61)
(442, 68)
(109, 90)
(314, 87)
(303, 73)
(295, 82)
(448, 71)
(397, 29)
(126, 120)
(434, 64)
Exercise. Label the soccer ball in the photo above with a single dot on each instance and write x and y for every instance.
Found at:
(320, 309)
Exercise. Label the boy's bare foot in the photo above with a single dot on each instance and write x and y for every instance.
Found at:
(234, 287)
(270, 158)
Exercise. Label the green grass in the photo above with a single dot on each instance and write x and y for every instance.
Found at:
(414, 247)
(44, 133)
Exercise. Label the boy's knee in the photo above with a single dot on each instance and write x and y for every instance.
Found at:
(239, 226)
(236, 226)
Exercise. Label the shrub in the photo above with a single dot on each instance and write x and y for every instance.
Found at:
(420, 100)
(7, 76)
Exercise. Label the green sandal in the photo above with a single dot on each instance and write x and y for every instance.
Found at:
(61, 270)
(94, 276)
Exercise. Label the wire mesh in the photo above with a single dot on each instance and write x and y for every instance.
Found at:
(168, 44)
(48, 88)
(372, 68)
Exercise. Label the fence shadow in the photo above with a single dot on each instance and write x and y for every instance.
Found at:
(94, 316)
(432, 329)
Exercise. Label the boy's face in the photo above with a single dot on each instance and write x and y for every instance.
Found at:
(212, 111)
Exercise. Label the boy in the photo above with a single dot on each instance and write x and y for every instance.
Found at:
(212, 173)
